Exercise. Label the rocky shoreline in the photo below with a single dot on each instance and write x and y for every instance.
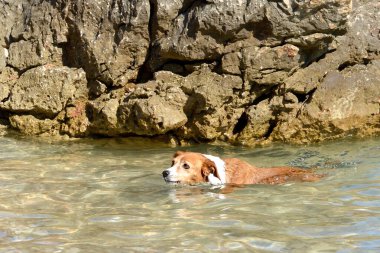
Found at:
(241, 72)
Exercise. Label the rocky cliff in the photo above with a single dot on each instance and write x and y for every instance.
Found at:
(239, 71)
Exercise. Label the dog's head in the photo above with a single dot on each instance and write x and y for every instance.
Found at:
(190, 168)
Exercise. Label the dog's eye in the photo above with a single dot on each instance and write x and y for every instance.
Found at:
(186, 166)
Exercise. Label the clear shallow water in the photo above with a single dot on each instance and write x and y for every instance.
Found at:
(108, 196)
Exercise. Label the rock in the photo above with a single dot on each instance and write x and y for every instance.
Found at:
(294, 18)
(8, 78)
(206, 30)
(109, 41)
(32, 39)
(46, 90)
(258, 122)
(104, 116)
(150, 109)
(3, 129)
(96, 88)
(346, 104)
(270, 66)
(4, 92)
(238, 71)
(335, 88)
(154, 109)
(3, 58)
(75, 122)
(202, 105)
(10, 16)
(356, 47)
(213, 106)
(30, 125)
(231, 63)
(155, 115)
(24, 55)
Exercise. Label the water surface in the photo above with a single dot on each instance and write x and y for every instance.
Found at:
(108, 196)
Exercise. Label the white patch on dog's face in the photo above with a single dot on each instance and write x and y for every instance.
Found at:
(172, 176)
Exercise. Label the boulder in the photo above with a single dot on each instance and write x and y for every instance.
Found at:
(74, 121)
(203, 105)
(8, 78)
(270, 66)
(10, 15)
(46, 90)
(347, 103)
(30, 125)
(149, 109)
(213, 106)
(27, 54)
(154, 108)
(32, 39)
(104, 116)
(109, 41)
(258, 119)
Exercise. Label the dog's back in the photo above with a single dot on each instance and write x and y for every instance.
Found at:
(240, 172)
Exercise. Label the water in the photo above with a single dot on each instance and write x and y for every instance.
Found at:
(108, 196)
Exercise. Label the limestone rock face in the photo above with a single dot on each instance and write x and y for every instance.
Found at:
(239, 71)
(46, 91)
(109, 40)
(345, 104)
(207, 30)
(10, 12)
(30, 125)
(8, 78)
(157, 114)
(213, 106)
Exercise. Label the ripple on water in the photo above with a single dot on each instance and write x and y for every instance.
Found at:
(108, 196)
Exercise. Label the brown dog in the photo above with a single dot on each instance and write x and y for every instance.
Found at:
(192, 168)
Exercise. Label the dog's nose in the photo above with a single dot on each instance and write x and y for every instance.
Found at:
(165, 173)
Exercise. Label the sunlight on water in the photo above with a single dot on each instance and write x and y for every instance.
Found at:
(108, 196)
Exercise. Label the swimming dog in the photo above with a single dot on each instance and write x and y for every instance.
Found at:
(192, 168)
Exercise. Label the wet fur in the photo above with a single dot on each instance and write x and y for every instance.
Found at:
(237, 172)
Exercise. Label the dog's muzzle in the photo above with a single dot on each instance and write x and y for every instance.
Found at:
(168, 177)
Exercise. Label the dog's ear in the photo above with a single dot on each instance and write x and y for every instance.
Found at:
(208, 168)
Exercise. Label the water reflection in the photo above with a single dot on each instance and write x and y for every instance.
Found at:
(108, 196)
